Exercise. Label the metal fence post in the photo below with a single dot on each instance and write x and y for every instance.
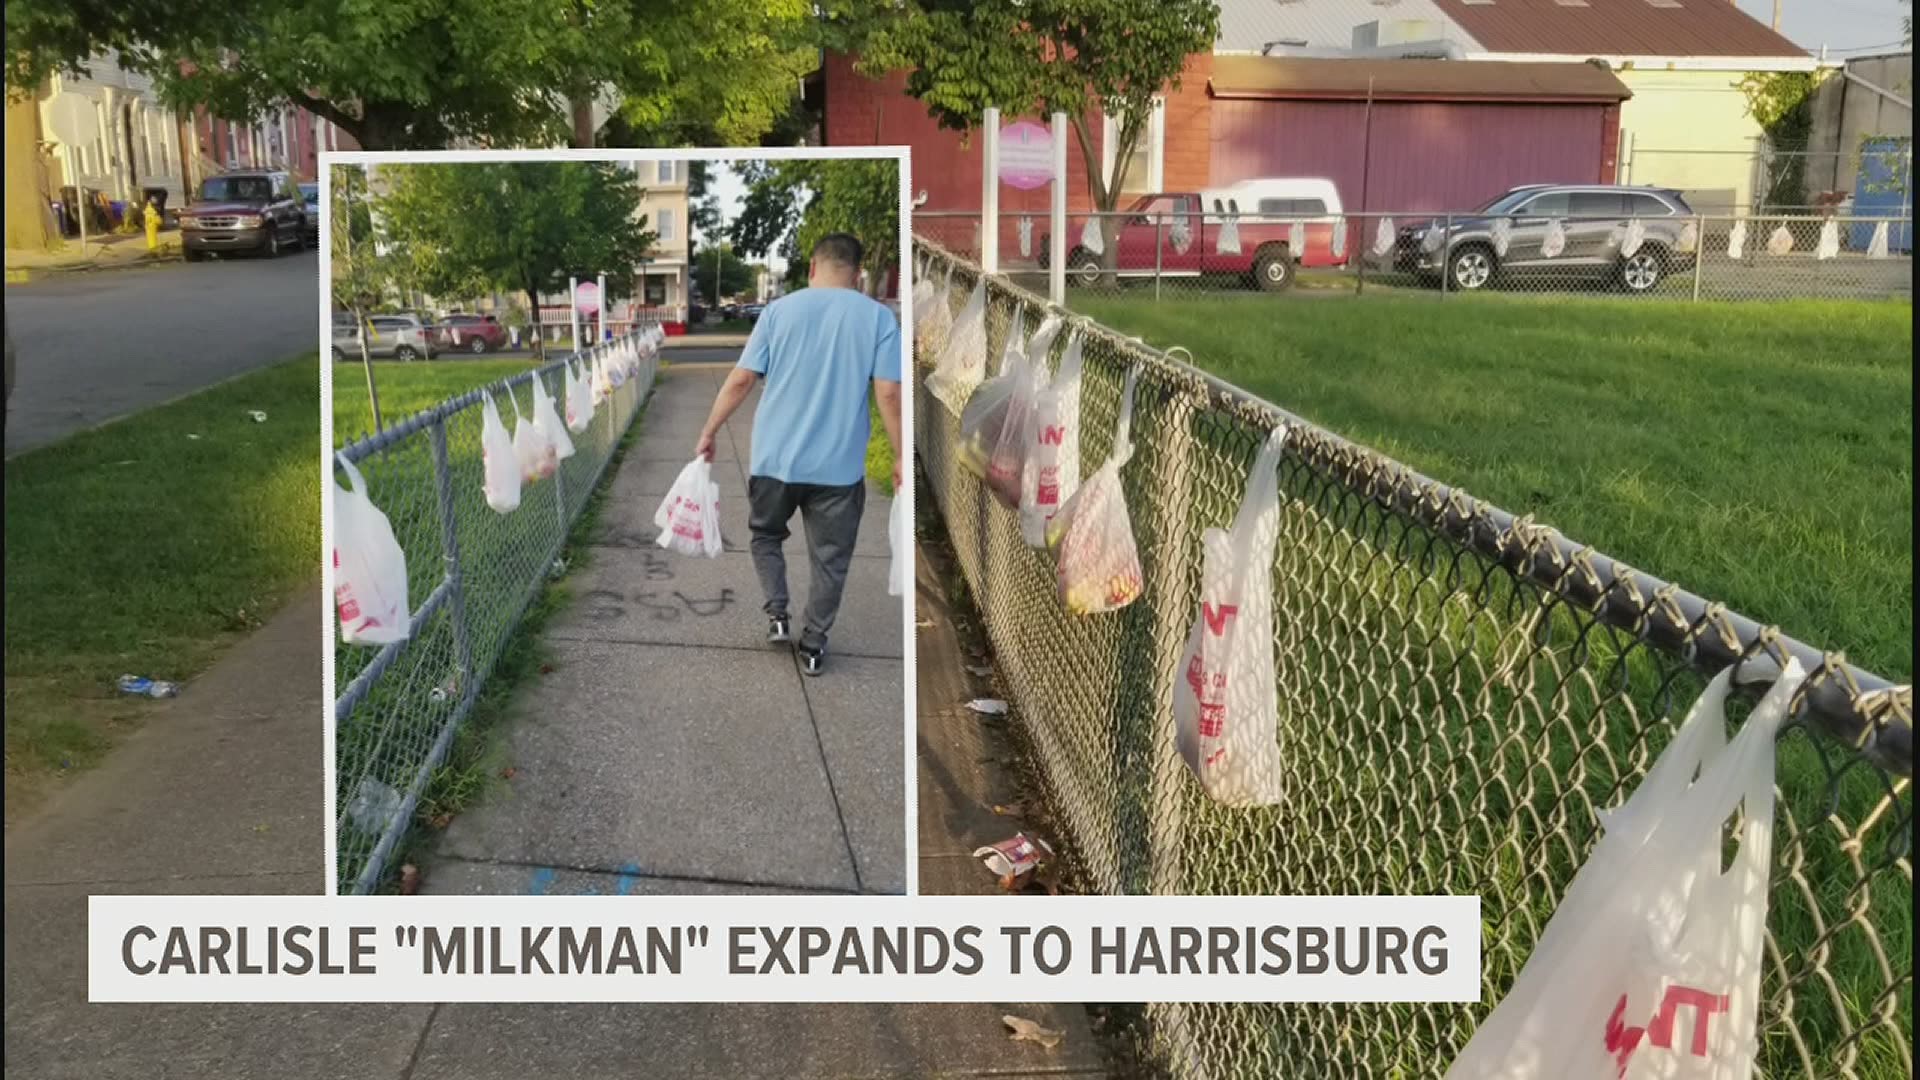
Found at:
(450, 553)
(1360, 277)
(1156, 257)
(1699, 252)
(1446, 254)
(559, 474)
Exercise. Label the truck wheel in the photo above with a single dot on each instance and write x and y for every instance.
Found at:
(193, 254)
(1084, 268)
(1273, 269)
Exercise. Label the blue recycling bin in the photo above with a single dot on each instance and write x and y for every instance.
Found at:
(1884, 189)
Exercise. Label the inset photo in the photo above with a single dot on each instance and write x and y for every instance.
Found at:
(614, 442)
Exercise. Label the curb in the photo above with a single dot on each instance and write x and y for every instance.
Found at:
(20, 275)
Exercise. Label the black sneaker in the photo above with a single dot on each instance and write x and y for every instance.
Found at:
(779, 630)
(812, 661)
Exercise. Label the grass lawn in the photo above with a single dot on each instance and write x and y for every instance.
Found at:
(406, 389)
(1760, 455)
(146, 547)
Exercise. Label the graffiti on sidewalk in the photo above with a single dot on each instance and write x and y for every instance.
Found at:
(607, 605)
(541, 882)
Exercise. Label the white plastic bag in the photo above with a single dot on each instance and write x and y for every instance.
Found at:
(1877, 246)
(1224, 705)
(1650, 967)
(963, 356)
(985, 417)
(369, 568)
(900, 543)
(1634, 235)
(579, 400)
(1096, 565)
(1689, 238)
(499, 463)
(1737, 239)
(546, 422)
(1555, 241)
(1502, 236)
(934, 322)
(1339, 243)
(1006, 473)
(1384, 236)
(1051, 472)
(1829, 245)
(535, 454)
(1781, 241)
(1297, 238)
(1092, 238)
(688, 519)
(602, 387)
(1180, 235)
(1226, 240)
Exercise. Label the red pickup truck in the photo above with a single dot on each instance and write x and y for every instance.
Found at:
(1258, 231)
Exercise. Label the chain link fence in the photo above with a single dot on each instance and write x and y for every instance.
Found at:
(1460, 693)
(471, 572)
(1178, 253)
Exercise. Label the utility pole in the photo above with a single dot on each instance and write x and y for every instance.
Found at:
(1776, 15)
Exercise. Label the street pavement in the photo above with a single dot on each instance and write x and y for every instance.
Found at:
(94, 347)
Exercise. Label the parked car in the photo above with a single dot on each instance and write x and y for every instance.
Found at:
(403, 337)
(751, 312)
(248, 210)
(458, 331)
(1593, 218)
(1178, 233)
(310, 198)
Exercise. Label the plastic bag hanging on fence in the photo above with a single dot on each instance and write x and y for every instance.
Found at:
(1502, 236)
(1384, 236)
(1007, 463)
(602, 388)
(1026, 235)
(1226, 239)
(1339, 243)
(579, 401)
(530, 448)
(499, 462)
(1051, 473)
(688, 519)
(369, 568)
(1877, 246)
(1096, 564)
(1180, 235)
(1631, 237)
(985, 415)
(546, 421)
(963, 357)
(1737, 239)
(900, 546)
(1689, 238)
(1829, 245)
(1555, 240)
(933, 319)
(1781, 240)
(1092, 238)
(1650, 967)
(1224, 705)
(1297, 238)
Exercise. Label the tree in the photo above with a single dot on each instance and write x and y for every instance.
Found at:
(517, 226)
(1086, 58)
(736, 275)
(795, 203)
(361, 273)
(417, 74)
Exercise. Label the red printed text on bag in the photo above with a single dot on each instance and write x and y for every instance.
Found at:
(1622, 1040)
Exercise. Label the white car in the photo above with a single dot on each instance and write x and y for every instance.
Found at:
(403, 337)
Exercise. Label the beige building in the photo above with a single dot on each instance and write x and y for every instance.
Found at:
(660, 283)
(135, 147)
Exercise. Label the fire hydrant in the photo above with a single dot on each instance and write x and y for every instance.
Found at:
(152, 217)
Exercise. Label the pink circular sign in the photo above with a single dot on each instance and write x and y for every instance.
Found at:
(586, 297)
(1026, 155)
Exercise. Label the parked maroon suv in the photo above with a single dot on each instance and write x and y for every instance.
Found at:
(476, 334)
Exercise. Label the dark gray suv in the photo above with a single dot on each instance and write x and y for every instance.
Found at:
(1593, 220)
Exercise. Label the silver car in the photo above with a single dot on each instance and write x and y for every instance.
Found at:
(403, 337)
(1591, 217)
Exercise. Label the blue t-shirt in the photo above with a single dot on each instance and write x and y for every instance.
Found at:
(819, 350)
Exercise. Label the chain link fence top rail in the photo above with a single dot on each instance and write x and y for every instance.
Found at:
(1460, 692)
(472, 573)
(1774, 256)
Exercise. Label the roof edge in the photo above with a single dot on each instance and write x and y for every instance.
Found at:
(1803, 62)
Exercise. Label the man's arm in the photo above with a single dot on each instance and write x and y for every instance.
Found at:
(733, 391)
(887, 393)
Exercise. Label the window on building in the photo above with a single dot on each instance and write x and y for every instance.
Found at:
(663, 223)
(233, 146)
(665, 173)
(1144, 164)
(656, 292)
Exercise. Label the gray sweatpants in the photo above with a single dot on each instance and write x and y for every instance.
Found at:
(831, 516)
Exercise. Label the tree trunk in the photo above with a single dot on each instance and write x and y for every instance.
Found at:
(366, 361)
(539, 335)
(582, 123)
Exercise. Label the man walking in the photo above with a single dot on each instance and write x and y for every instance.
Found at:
(816, 351)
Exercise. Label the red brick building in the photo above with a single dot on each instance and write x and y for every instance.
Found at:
(290, 138)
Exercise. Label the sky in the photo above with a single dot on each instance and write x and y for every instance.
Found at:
(1868, 25)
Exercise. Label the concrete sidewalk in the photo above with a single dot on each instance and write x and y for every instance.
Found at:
(107, 252)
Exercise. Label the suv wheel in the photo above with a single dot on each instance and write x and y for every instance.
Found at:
(1273, 270)
(1641, 271)
(1470, 269)
(405, 352)
(477, 345)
